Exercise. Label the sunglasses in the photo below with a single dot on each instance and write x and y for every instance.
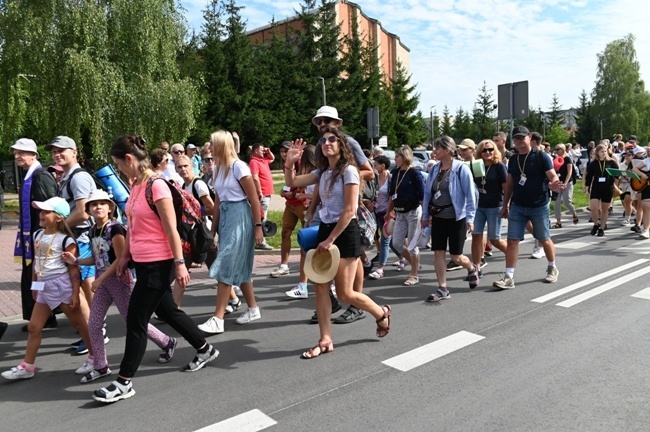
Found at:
(178, 151)
(487, 150)
(208, 159)
(330, 138)
(321, 120)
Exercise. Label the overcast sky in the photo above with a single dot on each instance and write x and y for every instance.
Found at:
(456, 45)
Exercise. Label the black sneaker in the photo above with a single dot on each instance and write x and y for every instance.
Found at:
(350, 315)
(601, 232)
(610, 210)
(335, 308)
(453, 266)
(594, 230)
(201, 359)
(637, 229)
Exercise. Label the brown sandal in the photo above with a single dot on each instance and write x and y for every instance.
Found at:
(324, 349)
(384, 330)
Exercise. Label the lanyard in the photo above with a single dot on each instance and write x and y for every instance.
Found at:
(399, 182)
(487, 171)
(602, 167)
(441, 176)
(42, 260)
(521, 169)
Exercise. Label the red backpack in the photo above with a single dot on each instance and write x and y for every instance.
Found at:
(196, 238)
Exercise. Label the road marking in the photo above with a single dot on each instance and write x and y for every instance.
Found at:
(424, 354)
(589, 281)
(601, 289)
(643, 294)
(251, 421)
(589, 240)
(637, 249)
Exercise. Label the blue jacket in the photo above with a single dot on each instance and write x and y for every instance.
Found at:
(461, 188)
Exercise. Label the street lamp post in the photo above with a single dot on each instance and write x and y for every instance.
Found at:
(601, 128)
(324, 95)
(431, 121)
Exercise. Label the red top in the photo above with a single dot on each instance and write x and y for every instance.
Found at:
(261, 167)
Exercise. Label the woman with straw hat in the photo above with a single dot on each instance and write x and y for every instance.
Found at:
(338, 234)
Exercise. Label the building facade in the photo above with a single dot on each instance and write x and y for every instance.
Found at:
(390, 49)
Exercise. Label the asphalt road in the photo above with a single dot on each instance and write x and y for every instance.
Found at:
(527, 359)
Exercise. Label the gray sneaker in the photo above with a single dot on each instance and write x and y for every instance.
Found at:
(551, 274)
(506, 282)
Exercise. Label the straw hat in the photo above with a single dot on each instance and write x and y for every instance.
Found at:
(321, 267)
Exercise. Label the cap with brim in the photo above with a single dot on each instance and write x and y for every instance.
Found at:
(321, 267)
(326, 111)
(53, 168)
(25, 144)
(638, 150)
(62, 142)
(467, 143)
(99, 195)
(190, 147)
(520, 131)
(285, 144)
(55, 204)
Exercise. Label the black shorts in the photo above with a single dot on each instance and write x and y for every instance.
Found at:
(349, 242)
(603, 194)
(646, 193)
(443, 230)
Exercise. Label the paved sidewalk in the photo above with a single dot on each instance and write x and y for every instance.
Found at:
(10, 304)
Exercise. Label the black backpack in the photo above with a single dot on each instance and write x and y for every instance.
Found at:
(371, 189)
(98, 184)
(213, 194)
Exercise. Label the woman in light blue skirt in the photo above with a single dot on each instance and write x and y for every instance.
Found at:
(236, 211)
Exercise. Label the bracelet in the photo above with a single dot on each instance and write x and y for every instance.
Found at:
(258, 225)
(76, 262)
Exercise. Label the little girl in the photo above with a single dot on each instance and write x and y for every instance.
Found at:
(53, 284)
(107, 238)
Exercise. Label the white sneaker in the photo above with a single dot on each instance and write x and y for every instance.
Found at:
(644, 234)
(297, 293)
(280, 271)
(538, 252)
(213, 326)
(17, 372)
(86, 367)
(626, 222)
(238, 292)
(250, 314)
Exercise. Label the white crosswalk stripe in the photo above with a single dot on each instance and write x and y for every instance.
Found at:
(643, 294)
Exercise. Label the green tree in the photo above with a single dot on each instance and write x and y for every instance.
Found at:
(586, 124)
(447, 127)
(409, 126)
(93, 71)
(462, 125)
(619, 91)
(482, 121)
(556, 134)
(555, 114)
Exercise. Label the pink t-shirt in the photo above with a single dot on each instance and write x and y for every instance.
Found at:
(147, 238)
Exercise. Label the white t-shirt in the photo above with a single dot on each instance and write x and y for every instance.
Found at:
(333, 201)
(47, 254)
(200, 186)
(229, 188)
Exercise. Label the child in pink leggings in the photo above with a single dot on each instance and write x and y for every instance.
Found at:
(107, 238)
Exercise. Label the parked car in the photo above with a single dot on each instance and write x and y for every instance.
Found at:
(417, 162)
(423, 155)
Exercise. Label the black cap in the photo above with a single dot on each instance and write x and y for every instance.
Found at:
(286, 144)
(632, 138)
(520, 131)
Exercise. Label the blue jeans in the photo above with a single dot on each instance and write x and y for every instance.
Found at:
(519, 216)
(384, 242)
(489, 216)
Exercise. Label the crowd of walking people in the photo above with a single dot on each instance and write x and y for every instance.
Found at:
(80, 252)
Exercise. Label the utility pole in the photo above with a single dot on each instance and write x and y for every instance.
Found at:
(601, 128)
(431, 120)
(324, 95)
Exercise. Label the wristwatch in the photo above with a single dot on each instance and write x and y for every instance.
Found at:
(179, 261)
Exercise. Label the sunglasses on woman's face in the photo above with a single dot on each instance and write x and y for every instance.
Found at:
(330, 138)
(321, 120)
(207, 160)
(487, 150)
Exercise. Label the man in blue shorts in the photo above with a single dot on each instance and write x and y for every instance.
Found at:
(526, 197)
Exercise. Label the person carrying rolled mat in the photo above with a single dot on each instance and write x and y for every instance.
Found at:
(338, 179)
